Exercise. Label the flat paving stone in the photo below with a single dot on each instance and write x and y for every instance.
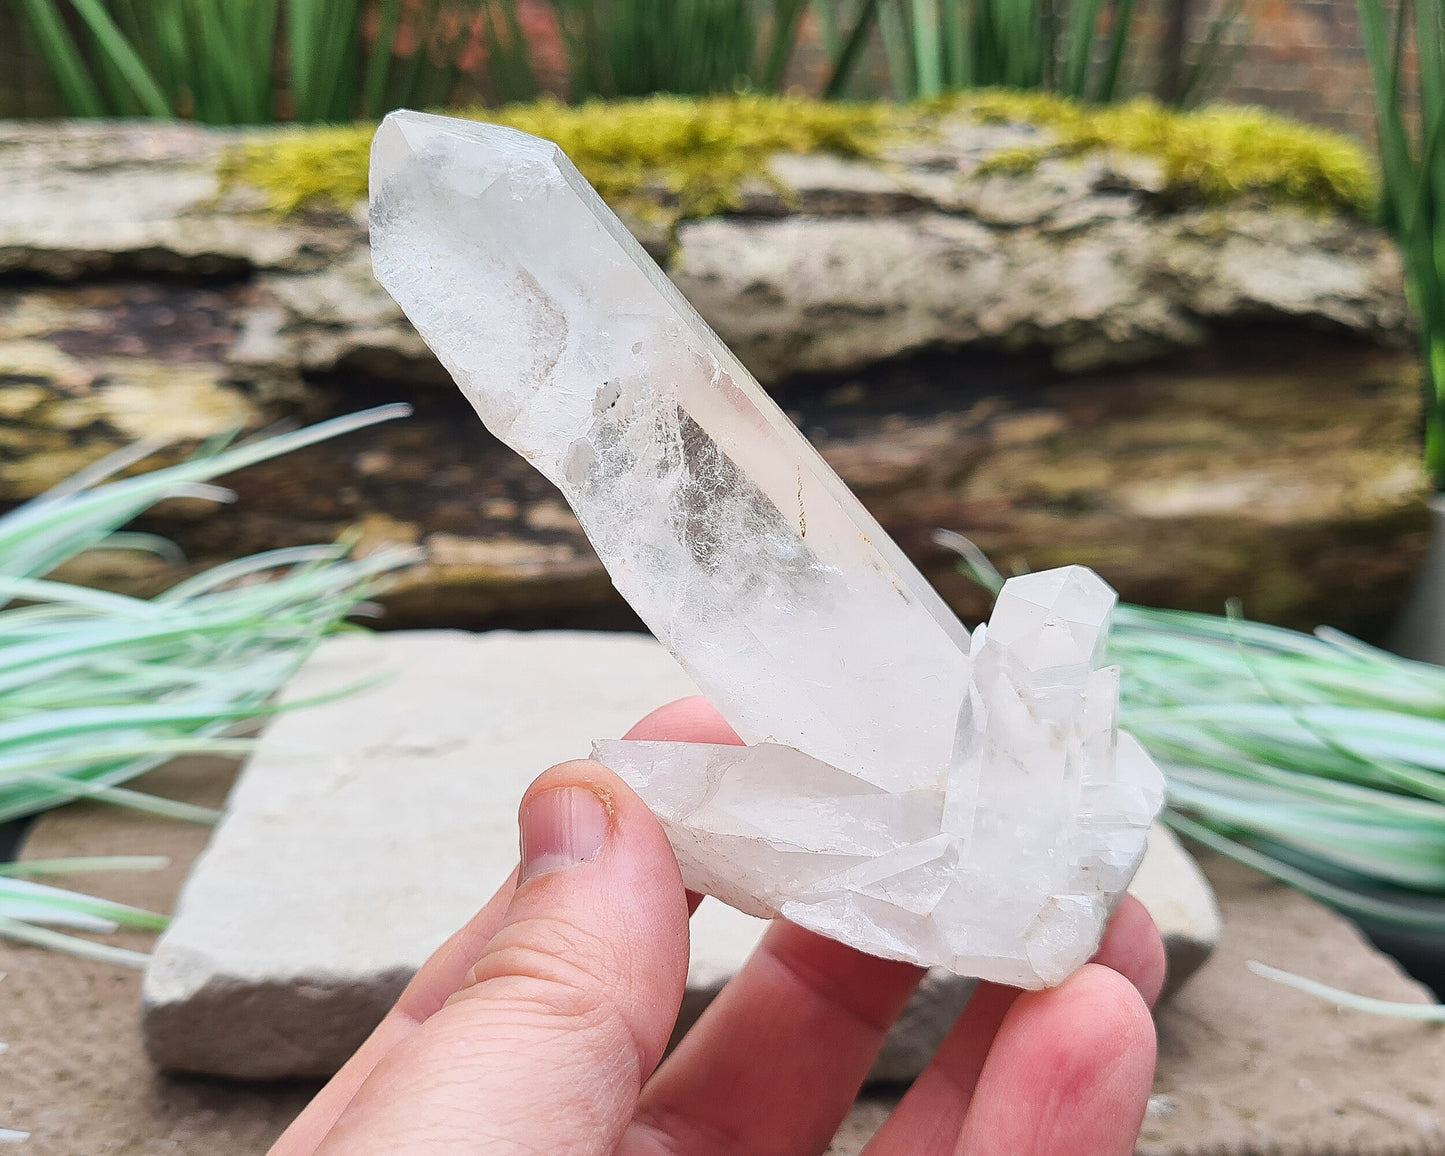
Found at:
(366, 830)
(370, 828)
(1246, 1068)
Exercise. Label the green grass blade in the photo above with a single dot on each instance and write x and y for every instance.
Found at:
(1361, 905)
(826, 13)
(1079, 51)
(842, 67)
(1213, 58)
(21, 932)
(958, 44)
(1119, 38)
(897, 50)
(62, 56)
(20, 896)
(787, 15)
(112, 43)
(927, 26)
(84, 865)
(1420, 1012)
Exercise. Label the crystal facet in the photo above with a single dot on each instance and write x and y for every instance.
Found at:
(909, 790)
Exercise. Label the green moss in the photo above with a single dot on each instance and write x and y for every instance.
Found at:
(695, 153)
(305, 167)
(670, 157)
(1214, 154)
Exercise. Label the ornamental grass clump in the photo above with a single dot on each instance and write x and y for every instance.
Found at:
(332, 61)
(244, 61)
(1315, 759)
(97, 688)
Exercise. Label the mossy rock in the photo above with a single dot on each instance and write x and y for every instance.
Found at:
(1214, 154)
(664, 155)
(670, 158)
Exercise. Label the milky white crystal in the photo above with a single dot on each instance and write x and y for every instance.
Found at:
(908, 790)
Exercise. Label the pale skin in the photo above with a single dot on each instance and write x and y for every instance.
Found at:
(539, 1028)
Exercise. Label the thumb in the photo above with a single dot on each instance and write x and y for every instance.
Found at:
(570, 1006)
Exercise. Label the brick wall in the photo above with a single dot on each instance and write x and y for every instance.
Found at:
(1306, 58)
(1303, 58)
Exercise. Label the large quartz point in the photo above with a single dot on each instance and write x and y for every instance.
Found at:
(906, 789)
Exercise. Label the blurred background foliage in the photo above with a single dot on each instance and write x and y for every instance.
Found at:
(332, 61)
(1406, 48)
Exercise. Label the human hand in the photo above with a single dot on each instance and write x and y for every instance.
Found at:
(538, 1028)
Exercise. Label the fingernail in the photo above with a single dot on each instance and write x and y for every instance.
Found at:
(562, 828)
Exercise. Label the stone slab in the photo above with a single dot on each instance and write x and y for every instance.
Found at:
(371, 827)
(1234, 1050)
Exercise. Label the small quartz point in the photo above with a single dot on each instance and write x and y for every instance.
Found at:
(909, 790)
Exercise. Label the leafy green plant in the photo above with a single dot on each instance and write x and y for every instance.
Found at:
(97, 688)
(1410, 114)
(938, 46)
(251, 62)
(331, 61)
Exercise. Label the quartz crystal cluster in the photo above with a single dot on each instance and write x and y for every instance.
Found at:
(909, 790)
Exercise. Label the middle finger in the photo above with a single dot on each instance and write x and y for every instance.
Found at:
(773, 1065)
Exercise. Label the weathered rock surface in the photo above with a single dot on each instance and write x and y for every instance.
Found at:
(869, 262)
(937, 298)
(1246, 1068)
(1092, 280)
(1285, 477)
(926, 248)
(82, 198)
(355, 846)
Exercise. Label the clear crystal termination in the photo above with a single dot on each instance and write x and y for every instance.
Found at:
(916, 793)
